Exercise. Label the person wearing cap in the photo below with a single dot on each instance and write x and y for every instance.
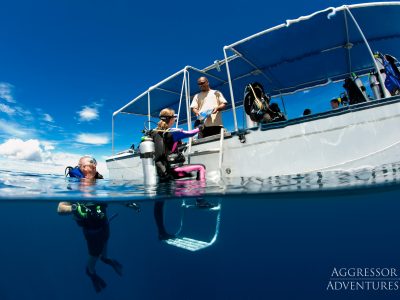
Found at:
(92, 217)
(210, 103)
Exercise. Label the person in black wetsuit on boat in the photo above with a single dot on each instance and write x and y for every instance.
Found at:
(92, 217)
(166, 141)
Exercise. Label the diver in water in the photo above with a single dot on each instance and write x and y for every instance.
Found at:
(92, 217)
(166, 141)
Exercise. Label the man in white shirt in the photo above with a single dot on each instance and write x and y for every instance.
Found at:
(212, 101)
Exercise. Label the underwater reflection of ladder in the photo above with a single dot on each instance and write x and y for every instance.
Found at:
(191, 244)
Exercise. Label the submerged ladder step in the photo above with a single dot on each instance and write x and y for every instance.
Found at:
(187, 243)
(205, 208)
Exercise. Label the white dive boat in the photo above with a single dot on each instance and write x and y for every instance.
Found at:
(308, 52)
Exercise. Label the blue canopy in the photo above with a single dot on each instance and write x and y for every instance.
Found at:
(172, 91)
(299, 54)
(325, 46)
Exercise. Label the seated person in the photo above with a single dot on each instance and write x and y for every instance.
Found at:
(169, 162)
(257, 105)
(168, 167)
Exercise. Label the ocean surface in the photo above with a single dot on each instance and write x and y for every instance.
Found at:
(328, 235)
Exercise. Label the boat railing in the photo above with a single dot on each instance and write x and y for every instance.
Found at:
(328, 114)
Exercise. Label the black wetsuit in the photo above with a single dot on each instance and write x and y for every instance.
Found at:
(163, 143)
(96, 228)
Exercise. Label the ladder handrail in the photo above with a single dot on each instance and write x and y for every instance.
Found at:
(187, 243)
(221, 147)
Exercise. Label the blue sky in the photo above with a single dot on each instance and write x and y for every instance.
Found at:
(66, 66)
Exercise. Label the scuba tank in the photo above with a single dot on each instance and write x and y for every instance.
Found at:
(360, 85)
(355, 90)
(375, 86)
(389, 73)
(147, 149)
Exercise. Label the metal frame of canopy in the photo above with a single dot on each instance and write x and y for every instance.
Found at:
(330, 12)
(224, 79)
(183, 95)
(147, 92)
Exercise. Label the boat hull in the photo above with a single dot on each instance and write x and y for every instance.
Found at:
(358, 136)
(125, 166)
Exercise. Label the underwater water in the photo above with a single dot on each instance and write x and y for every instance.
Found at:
(328, 235)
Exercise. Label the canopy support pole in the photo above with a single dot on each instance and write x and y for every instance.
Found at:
(180, 100)
(112, 134)
(381, 82)
(148, 109)
(348, 45)
(188, 110)
(283, 104)
(231, 91)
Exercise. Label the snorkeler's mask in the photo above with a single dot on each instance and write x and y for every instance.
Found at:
(167, 118)
(92, 160)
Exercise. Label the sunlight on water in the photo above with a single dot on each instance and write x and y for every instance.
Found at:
(385, 174)
(17, 185)
(245, 238)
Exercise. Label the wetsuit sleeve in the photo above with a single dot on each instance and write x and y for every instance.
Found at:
(178, 135)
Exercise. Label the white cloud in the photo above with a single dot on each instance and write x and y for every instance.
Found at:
(23, 112)
(48, 118)
(14, 109)
(34, 156)
(36, 151)
(6, 92)
(13, 129)
(22, 150)
(7, 109)
(88, 114)
(48, 146)
(92, 139)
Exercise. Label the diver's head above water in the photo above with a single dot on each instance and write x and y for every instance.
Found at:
(87, 165)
